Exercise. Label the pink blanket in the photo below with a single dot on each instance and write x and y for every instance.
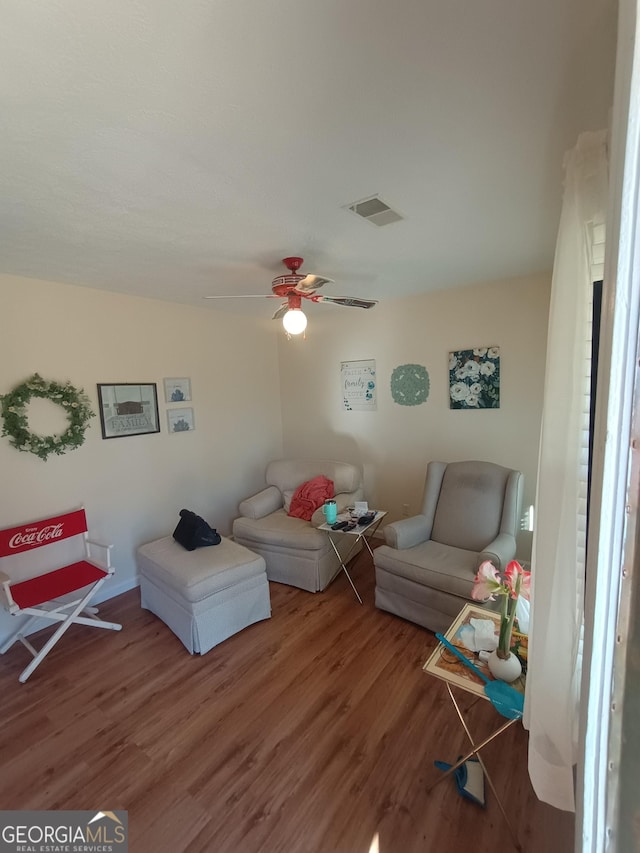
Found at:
(309, 496)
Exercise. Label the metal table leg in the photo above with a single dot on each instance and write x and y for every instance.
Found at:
(371, 532)
(476, 751)
(342, 563)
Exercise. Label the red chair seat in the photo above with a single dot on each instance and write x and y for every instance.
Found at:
(54, 584)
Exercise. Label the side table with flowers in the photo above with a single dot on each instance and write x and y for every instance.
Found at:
(516, 582)
(447, 667)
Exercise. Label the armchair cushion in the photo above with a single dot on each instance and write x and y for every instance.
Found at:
(288, 474)
(468, 506)
(431, 564)
(279, 528)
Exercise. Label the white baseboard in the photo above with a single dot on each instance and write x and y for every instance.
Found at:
(110, 590)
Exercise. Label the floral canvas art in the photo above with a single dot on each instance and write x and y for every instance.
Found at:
(474, 378)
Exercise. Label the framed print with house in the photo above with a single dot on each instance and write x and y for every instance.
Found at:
(128, 408)
(180, 420)
(177, 390)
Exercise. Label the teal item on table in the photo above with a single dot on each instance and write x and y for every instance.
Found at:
(330, 511)
(504, 698)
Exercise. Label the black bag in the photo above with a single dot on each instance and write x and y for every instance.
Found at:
(193, 532)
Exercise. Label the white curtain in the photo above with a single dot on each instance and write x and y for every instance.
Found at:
(558, 557)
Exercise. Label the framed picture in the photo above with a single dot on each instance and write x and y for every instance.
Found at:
(177, 390)
(180, 420)
(474, 378)
(358, 380)
(129, 408)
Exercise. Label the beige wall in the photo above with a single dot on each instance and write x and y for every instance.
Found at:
(395, 443)
(258, 396)
(134, 487)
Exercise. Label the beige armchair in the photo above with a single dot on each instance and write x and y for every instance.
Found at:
(470, 513)
(294, 550)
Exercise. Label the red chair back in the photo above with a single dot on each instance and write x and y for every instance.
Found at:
(26, 537)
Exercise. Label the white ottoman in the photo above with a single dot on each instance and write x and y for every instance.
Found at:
(205, 595)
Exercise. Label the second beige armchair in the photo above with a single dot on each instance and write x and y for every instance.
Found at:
(470, 513)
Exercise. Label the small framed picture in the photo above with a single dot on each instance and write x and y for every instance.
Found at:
(177, 390)
(130, 408)
(180, 420)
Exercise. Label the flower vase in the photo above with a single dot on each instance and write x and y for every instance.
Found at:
(504, 669)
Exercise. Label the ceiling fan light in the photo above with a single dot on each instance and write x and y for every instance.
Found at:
(294, 321)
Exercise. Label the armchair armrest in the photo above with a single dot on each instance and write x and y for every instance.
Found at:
(500, 551)
(407, 532)
(264, 503)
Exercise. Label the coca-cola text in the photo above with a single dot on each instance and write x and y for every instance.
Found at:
(36, 535)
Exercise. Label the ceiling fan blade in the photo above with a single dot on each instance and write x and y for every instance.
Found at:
(282, 310)
(312, 282)
(244, 296)
(347, 301)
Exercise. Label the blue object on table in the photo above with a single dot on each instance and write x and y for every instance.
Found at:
(504, 698)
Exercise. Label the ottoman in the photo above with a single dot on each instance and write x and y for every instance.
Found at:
(205, 595)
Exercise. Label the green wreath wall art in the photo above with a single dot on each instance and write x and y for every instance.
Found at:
(410, 384)
(13, 408)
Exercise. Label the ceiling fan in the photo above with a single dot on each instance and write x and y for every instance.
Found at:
(293, 287)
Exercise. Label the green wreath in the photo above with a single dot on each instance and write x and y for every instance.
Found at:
(16, 423)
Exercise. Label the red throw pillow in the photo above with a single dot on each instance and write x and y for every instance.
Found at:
(309, 496)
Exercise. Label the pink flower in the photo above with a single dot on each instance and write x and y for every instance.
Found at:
(517, 580)
(486, 583)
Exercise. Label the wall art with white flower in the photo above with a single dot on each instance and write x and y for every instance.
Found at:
(474, 378)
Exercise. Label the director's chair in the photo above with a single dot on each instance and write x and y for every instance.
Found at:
(38, 596)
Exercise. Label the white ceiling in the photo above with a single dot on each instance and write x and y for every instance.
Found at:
(177, 148)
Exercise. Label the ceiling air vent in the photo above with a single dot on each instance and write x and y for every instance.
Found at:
(374, 210)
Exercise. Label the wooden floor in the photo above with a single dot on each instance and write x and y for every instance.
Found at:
(315, 730)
